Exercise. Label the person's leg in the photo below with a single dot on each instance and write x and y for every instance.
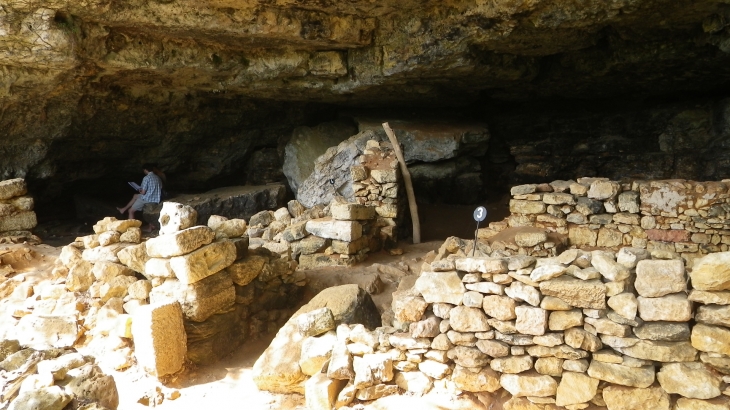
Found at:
(136, 206)
(129, 205)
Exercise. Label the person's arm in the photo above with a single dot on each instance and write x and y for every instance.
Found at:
(145, 185)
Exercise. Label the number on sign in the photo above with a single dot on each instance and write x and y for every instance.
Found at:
(480, 214)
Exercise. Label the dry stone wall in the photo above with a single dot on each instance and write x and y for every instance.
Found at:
(16, 208)
(618, 330)
(688, 218)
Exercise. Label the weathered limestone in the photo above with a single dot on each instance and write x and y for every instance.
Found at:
(589, 294)
(671, 308)
(618, 374)
(712, 339)
(346, 231)
(711, 272)
(531, 320)
(575, 388)
(656, 278)
(441, 287)
(159, 338)
(179, 243)
(175, 217)
(530, 384)
(203, 262)
(629, 398)
(691, 380)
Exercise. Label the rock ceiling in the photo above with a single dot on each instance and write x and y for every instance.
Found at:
(92, 80)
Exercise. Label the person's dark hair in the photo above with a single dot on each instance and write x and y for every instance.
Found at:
(148, 166)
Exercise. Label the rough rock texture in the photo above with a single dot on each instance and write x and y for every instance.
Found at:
(89, 85)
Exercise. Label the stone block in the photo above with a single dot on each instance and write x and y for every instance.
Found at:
(481, 265)
(468, 319)
(11, 188)
(135, 257)
(441, 287)
(295, 232)
(655, 278)
(582, 236)
(670, 308)
(589, 294)
(623, 375)
(609, 238)
(231, 228)
(668, 235)
(561, 320)
(160, 342)
(21, 221)
(575, 388)
(711, 339)
(499, 307)
(158, 268)
(531, 320)
(321, 392)
(179, 243)
(203, 262)
(245, 270)
(347, 231)
(660, 351)
(350, 248)
(629, 202)
(663, 331)
(602, 190)
(199, 300)
(517, 206)
(316, 353)
(529, 384)
(634, 398)
(43, 332)
(691, 380)
(175, 217)
(711, 272)
(315, 322)
(351, 212)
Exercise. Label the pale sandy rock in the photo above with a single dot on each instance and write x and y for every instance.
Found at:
(403, 341)
(511, 364)
(103, 253)
(522, 189)
(629, 398)
(583, 274)
(589, 294)
(441, 342)
(489, 288)
(351, 211)
(499, 307)
(630, 257)
(720, 403)
(616, 287)
(20, 221)
(714, 315)
(481, 265)
(414, 382)
(372, 369)
(199, 300)
(108, 238)
(132, 235)
(523, 293)
(46, 398)
(578, 366)
(531, 320)
(408, 308)
(47, 331)
(608, 327)
(231, 228)
(691, 380)
(602, 190)
(315, 322)
(709, 297)
(517, 262)
(428, 327)
(69, 255)
(711, 339)
(468, 356)
(561, 320)
(483, 380)
(340, 364)
(547, 272)
(180, 242)
(507, 327)
(80, 276)
(158, 268)
(134, 257)
(466, 319)
(493, 348)
(441, 287)
(551, 366)
(321, 392)
(529, 384)
(433, 369)
(60, 366)
(376, 392)
(606, 264)
(549, 339)
(671, 308)
(560, 351)
(519, 206)
(159, 338)
(316, 352)
(625, 304)
(580, 339)
(660, 351)
(113, 224)
(117, 287)
(530, 239)
(553, 303)
(11, 188)
(139, 289)
(663, 331)
(656, 278)
(105, 271)
(575, 388)
(623, 375)
(608, 356)
(473, 299)
(711, 272)
(203, 262)
(347, 231)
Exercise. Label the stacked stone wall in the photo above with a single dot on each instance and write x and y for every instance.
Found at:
(624, 330)
(684, 217)
(347, 229)
(16, 208)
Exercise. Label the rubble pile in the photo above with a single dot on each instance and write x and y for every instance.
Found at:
(610, 329)
(52, 379)
(364, 219)
(17, 217)
(685, 217)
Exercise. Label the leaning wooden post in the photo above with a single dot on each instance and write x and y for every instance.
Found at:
(407, 179)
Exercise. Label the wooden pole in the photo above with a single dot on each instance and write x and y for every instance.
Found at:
(409, 185)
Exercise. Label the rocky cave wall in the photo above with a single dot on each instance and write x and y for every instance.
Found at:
(213, 90)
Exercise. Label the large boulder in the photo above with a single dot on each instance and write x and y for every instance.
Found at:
(331, 173)
(307, 144)
(277, 369)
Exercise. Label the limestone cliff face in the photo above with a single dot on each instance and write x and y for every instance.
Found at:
(91, 88)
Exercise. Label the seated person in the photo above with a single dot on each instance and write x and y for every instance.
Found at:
(150, 192)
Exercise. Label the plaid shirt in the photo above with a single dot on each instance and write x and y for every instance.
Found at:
(152, 185)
